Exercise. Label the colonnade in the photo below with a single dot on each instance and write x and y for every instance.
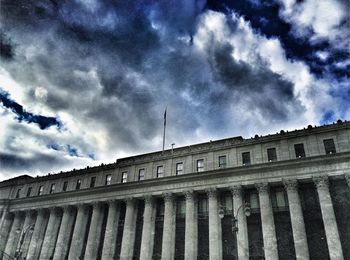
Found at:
(59, 232)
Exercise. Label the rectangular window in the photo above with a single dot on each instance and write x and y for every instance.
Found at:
(29, 191)
(40, 190)
(18, 193)
(222, 161)
(200, 165)
(280, 199)
(179, 168)
(141, 174)
(246, 158)
(65, 185)
(299, 150)
(271, 154)
(108, 180)
(52, 188)
(329, 146)
(92, 182)
(78, 184)
(124, 177)
(160, 171)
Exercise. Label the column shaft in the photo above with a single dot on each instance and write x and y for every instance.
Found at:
(242, 234)
(62, 245)
(28, 227)
(79, 232)
(5, 231)
(297, 220)
(15, 233)
(50, 235)
(168, 243)
(329, 221)
(38, 235)
(128, 240)
(215, 237)
(111, 231)
(191, 227)
(148, 229)
(267, 221)
(94, 236)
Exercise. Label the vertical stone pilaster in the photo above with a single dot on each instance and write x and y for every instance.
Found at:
(38, 235)
(148, 229)
(267, 222)
(297, 220)
(191, 227)
(215, 236)
(15, 234)
(79, 232)
(5, 231)
(111, 230)
(62, 249)
(168, 243)
(242, 234)
(50, 234)
(28, 227)
(329, 221)
(127, 248)
(95, 231)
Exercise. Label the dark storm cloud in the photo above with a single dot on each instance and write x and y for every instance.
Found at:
(6, 47)
(21, 115)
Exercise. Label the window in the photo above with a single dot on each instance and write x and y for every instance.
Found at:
(222, 161)
(65, 185)
(200, 165)
(329, 146)
(29, 191)
(52, 188)
(77, 186)
(203, 205)
(18, 193)
(40, 190)
(124, 177)
(92, 182)
(280, 199)
(108, 180)
(299, 150)
(246, 158)
(181, 207)
(271, 154)
(179, 168)
(141, 174)
(160, 171)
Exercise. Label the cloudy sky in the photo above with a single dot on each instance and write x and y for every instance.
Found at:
(85, 81)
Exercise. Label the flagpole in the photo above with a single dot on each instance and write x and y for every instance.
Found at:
(164, 129)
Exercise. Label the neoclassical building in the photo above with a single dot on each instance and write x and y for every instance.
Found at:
(280, 196)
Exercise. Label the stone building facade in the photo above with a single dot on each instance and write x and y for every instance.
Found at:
(191, 203)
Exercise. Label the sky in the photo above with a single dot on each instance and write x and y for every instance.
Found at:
(84, 82)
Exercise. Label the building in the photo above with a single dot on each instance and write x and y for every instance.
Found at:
(280, 196)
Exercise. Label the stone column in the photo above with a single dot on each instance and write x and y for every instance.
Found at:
(50, 234)
(38, 235)
(215, 237)
(62, 246)
(28, 228)
(190, 227)
(168, 243)
(297, 220)
(329, 221)
(242, 234)
(347, 178)
(148, 229)
(267, 222)
(15, 234)
(127, 248)
(111, 230)
(79, 232)
(5, 231)
(94, 236)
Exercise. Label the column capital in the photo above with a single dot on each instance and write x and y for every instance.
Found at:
(29, 213)
(112, 203)
(189, 195)
(290, 184)
(129, 201)
(347, 178)
(68, 209)
(97, 205)
(148, 199)
(321, 182)
(168, 197)
(211, 192)
(236, 190)
(262, 187)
